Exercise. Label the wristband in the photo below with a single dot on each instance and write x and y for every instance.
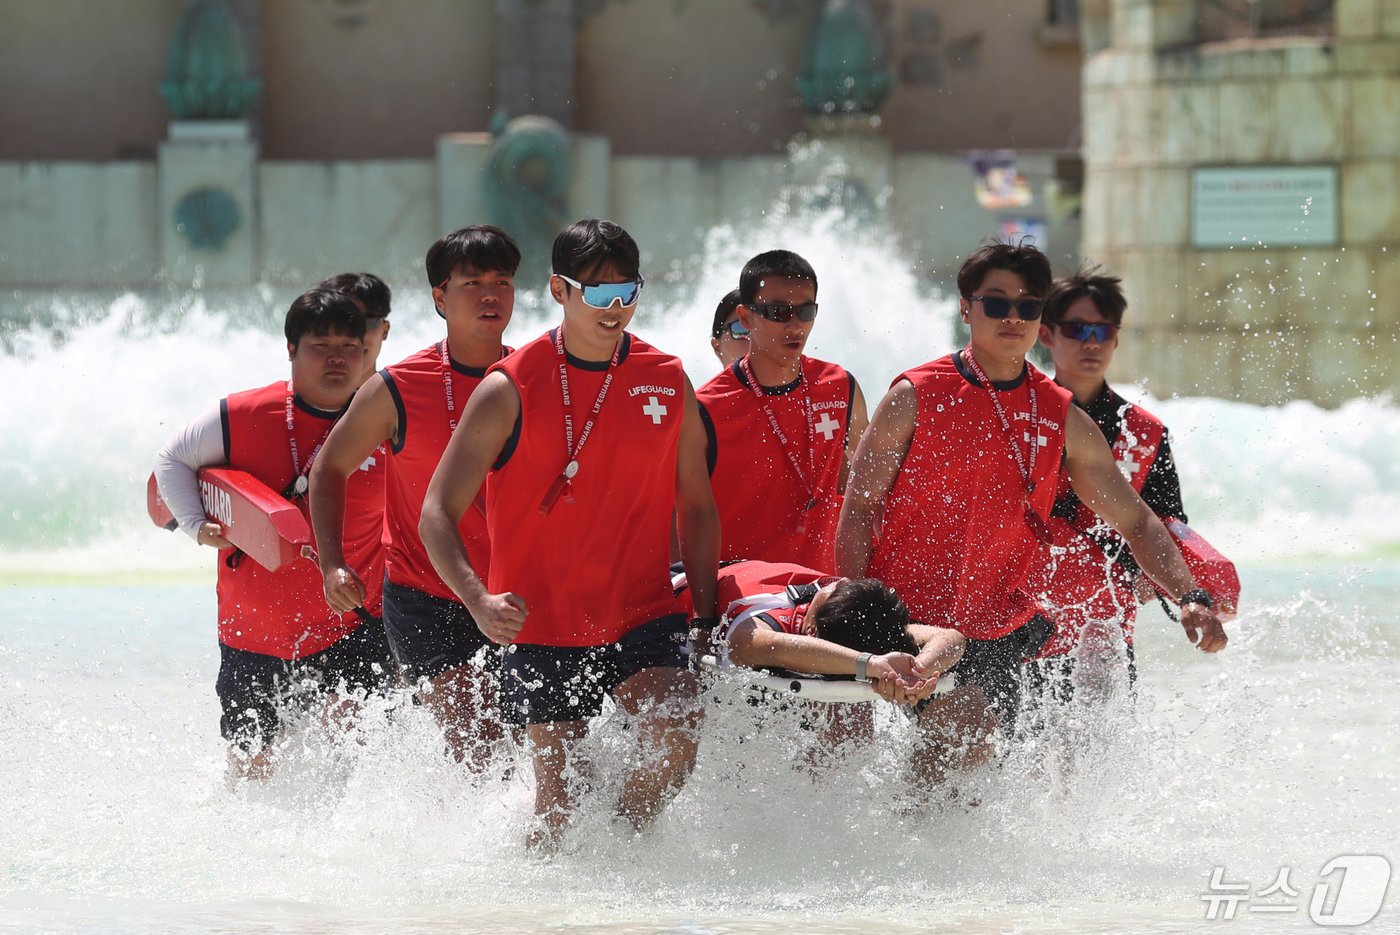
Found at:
(1197, 596)
(862, 661)
(703, 623)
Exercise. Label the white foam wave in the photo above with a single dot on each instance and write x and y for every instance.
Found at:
(89, 404)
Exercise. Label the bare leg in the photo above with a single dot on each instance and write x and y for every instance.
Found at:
(251, 767)
(551, 746)
(665, 702)
(956, 732)
(839, 725)
(465, 704)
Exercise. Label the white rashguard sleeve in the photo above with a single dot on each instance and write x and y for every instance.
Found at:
(197, 445)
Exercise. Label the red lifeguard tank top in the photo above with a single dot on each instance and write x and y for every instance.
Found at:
(760, 497)
(283, 613)
(419, 389)
(954, 540)
(595, 568)
(1081, 583)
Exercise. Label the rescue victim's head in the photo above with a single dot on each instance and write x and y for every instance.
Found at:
(863, 614)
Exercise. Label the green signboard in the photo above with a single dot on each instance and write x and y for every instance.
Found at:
(1270, 206)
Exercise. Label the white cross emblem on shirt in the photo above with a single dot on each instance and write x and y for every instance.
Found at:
(827, 426)
(1040, 440)
(654, 409)
(1128, 464)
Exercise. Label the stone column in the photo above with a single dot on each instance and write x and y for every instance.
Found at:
(535, 59)
(207, 202)
(207, 169)
(463, 160)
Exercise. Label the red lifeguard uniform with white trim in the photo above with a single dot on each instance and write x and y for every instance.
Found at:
(594, 566)
(1090, 575)
(778, 502)
(954, 538)
(419, 389)
(283, 613)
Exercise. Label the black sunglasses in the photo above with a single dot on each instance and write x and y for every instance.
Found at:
(995, 306)
(781, 311)
(1098, 332)
(735, 329)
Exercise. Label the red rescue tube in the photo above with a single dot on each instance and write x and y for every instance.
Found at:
(1212, 570)
(268, 528)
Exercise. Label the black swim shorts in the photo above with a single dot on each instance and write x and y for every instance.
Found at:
(542, 684)
(254, 689)
(995, 665)
(429, 635)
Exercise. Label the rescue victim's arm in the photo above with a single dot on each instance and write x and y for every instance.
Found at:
(199, 444)
(370, 421)
(859, 421)
(697, 519)
(940, 648)
(476, 444)
(758, 646)
(878, 459)
(1098, 482)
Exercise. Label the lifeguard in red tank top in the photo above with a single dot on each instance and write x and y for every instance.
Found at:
(955, 540)
(594, 566)
(1081, 583)
(283, 613)
(764, 484)
(423, 386)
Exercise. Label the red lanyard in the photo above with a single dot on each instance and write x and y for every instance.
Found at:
(1027, 474)
(810, 477)
(447, 385)
(299, 482)
(447, 382)
(561, 483)
(1033, 518)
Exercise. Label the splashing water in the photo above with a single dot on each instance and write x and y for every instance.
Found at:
(1280, 752)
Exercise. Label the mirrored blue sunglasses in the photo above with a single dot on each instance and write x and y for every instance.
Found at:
(1099, 333)
(604, 294)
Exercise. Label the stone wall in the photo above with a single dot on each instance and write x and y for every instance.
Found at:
(80, 226)
(115, 244)
(80, 78)
(1250, 322)
(374, 79)
(368, 80)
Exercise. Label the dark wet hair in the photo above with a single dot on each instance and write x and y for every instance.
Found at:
(319, 312)
(1022, 259)
(583, 248)
(867, 616)
(366, 288)
(723, 310)
(1105, 291)
(783, 263)
(481, 247)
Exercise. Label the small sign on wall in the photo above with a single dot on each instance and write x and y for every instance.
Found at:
(1272, 206)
